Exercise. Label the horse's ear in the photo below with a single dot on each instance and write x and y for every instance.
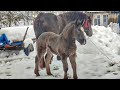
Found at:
(78, 22)
(90, 19)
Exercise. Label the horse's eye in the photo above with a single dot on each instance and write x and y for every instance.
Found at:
(73, 40)
(78, 30)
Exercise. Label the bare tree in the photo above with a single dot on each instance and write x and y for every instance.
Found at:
(15, 18)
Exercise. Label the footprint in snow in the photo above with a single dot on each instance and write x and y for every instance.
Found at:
(8, 68)
(28, 67)
(1, 73)
(115, 73)
(7, 72)
(55, 68)
(8, 75)
(56, 75)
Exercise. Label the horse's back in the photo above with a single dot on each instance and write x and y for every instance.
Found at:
(47, 35)
(45, 22)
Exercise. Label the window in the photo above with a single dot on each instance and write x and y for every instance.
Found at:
(105, 20)
(97, 20)
(98, 17)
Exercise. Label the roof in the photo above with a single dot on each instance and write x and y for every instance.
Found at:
(115, 11)
(96, 11)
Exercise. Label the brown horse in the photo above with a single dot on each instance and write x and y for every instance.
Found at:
(62, 45)
(49, 22)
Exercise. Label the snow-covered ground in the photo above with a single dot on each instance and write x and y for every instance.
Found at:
(98, 59)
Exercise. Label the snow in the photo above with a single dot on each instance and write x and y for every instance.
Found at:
(114, 27)
(107, 40)
(98, 59)
(17, 33)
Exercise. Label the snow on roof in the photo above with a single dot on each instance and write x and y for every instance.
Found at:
(96, 11)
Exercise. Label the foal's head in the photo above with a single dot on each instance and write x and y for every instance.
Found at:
(80, 37)
(73, 32)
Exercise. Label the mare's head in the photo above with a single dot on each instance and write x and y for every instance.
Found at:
(86, 20)
(86, 24)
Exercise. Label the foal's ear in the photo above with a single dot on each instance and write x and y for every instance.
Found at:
(78, 22)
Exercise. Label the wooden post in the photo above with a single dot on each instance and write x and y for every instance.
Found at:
(25, 34)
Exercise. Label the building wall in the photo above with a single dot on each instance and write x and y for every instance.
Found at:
(101, 17)
(113, 17)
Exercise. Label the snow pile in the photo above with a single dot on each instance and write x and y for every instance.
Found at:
(114, 27)
(107, 40)
(27, 42)
(17, 33)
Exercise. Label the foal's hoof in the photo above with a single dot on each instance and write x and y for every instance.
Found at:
(75, 77)
(49, 74)
(36, 72)
(65, 78)
(37, 75)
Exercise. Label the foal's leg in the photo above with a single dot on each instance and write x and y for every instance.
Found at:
(36, 66)
(48, 60)
(40, 54)
(42, 63)
(65, 66)
(73, 64)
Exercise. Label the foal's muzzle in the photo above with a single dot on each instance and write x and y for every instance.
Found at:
(82, 41)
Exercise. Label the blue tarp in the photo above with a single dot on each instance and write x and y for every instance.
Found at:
(4, 40)
(16, 43)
